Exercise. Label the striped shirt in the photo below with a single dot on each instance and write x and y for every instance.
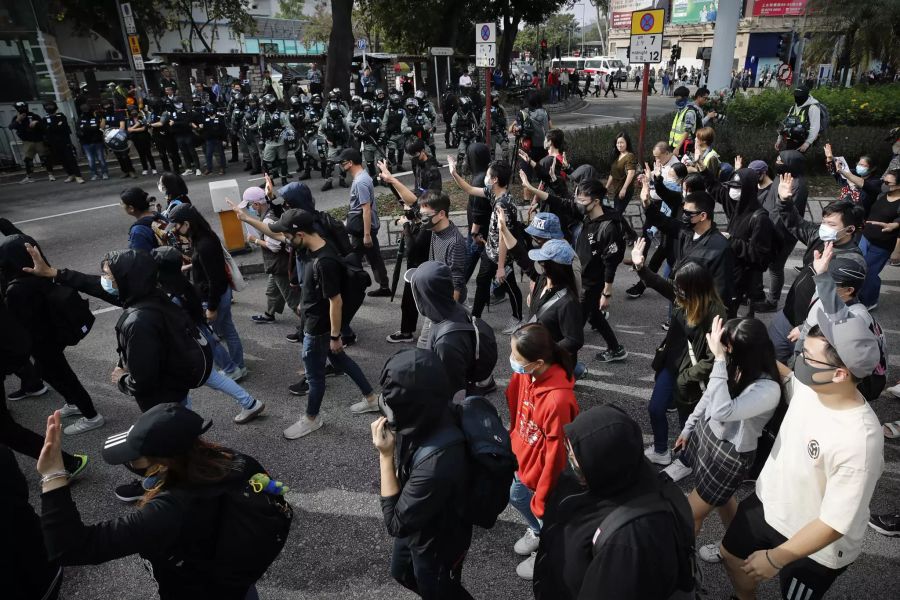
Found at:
(448, 246)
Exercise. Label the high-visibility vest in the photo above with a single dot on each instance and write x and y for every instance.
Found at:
(678, 132)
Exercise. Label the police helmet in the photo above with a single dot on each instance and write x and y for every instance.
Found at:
(411, 105)
(252, 100)
(334, 110)
(269, 101)
(495, 96)
(332, 96)
(420, 95)
(394, 98)
(296, 102)
(337, 93)
(465, 102)
(367, 106)
(355, 100)
(380, 94)
(197, 100)
(21, 107)
(316, 100)
(50, 106)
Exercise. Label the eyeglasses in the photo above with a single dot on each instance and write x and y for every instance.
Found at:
(691, 213)
(809, 361)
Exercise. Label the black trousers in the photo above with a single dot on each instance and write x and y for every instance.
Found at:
(486, 274)
(52, 367)
(590, 309)
(22, 440)
(143, 145)
(426, 576)
(373, 255)
(124, 161)
(63, 153)
(185, 144)
(409, 314)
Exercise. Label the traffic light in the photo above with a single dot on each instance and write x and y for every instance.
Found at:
(676, 52)
(543, 44)
(784, 47)
(556, 51)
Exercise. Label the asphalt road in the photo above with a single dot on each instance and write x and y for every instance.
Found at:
(338, 548)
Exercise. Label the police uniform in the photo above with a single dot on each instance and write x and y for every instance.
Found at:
(334, 128)
(163, 138)
(314, 117)
(214, 131)
(297, 119)
(90, 136)
(498, 129)
(30, 129)
(415, 126)
(392, 125)
(142, 141)
(427, 108)
(183, 130)
(465, 128)
(235, 105)
(114, 119)
(58, 136)
(449, 107)
(270, 124)
(369, 133)
(250, 134)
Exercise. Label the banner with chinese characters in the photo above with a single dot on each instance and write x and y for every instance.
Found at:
(690, 12)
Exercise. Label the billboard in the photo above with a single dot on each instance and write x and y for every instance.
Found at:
(779, 8)
(689, 12)
(621, 11)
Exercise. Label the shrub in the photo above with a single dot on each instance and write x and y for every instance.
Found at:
(593, 145)
(861, 105)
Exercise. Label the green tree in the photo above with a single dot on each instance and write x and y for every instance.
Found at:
(853, 33)
(556, 30)
(290, 9)
(318, 26)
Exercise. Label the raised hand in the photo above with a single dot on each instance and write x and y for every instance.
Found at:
(637, 252)
(785, 187)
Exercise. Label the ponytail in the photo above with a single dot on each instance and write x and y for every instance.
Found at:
(534, 342)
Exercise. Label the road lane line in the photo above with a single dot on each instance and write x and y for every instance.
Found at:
(100, 311)
(65, 214)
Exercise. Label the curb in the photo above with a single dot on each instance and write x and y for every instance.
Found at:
(568, 107)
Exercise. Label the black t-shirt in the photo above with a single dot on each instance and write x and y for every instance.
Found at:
(323, 277)
(883, 211)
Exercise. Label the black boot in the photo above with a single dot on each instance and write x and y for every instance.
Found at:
(400, 160)
(328, 185)
(304, 176)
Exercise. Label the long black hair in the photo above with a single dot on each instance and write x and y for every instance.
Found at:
(175, 187)
(752, 354)
(534, 342)
(628, 146)
(562, 276)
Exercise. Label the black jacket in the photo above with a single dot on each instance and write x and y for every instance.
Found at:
(26, 294)
(640, 561)
(432, 289)
(207, 263)
(172, 532)
(673, 200)
(427, 511)
(140, 336)
(478, 211)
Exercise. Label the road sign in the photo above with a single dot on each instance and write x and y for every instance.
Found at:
(485, 33)
(646, 48)
(645, 22)
(134, 44)
(486, 55)
(128, 18)
(138, 62)
(441, 51)
(362, 44)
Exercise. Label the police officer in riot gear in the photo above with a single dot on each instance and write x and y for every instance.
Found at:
(250, 133)
(415, 125)
(297, 119)
(353, 117)
(214, 131)
(381, 102)
(498, 126)
(335, 95)
(235, 108)
(182, 123)
(310, 138)
(367, 130)
(163, 137)
(427, 108)
(449, 106)
(58, 137)
(392, 125)
(30, 129)
(337, 135)
(465, 128)
(113, 118)
(272, 121)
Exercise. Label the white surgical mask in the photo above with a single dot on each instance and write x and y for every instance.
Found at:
(161, 188)
(827, 234)
(107, 286)
(487, 180)
(734, 193)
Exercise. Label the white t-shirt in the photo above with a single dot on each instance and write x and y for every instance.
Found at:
(464, 79)
(824, 465)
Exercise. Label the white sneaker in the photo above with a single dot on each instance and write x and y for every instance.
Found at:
(364, 406)
(659, 458)
(894, 390)
(238, 374)
(710, 553)
(198, 173)
(525, 570)
(303, 427)
(50, 177)
(84, 424)
(154, 172)
(512, 325)
(26, 179)
(105, 176)
(69, 179)
(69, 410)
(248, 414)
(94, 178)
(188, 172)
(677, 470)
(527, 544)
(144, 172)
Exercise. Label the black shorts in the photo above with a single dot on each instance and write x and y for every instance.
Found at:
(803, 579)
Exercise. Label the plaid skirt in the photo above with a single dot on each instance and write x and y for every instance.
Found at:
(719, 469)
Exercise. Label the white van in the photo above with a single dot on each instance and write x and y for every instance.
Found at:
(603, 65)
(568, 63)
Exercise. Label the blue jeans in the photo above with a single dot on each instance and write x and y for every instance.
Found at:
(95, 157)
(520, 499)
(778, 332)
(660, 401)
(876, 259)
(315, 351)
(579, 370)
(212, 147)
(223, 325)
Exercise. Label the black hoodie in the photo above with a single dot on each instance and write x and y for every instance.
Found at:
(640, 561)
(751, 233)
(432, 488)
(432, 290)
(478, 210)
(26, 295)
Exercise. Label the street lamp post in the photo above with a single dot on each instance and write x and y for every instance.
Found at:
(582, 28)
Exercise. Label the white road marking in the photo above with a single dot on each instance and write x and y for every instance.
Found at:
(100, 311)
(65, 214)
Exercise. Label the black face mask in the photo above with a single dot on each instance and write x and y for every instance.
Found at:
(428, 221)
(801, 97)
(686, 221)
(781, 168)
(805, 373)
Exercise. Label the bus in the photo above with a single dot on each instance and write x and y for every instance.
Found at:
(569, 63)
(604, 65)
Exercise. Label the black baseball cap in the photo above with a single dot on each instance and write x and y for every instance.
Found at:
(164, 430)
(180, 214)
(350, 154)
(293, 220)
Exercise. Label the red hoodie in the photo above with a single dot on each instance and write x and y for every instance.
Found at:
(538, 410)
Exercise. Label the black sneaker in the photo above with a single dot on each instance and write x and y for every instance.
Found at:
(293, 338)
(263, 318)
(608, 355)
(350, 340)
(301, 388)
(485, 387)
(21, 394)
(398, 337)
(130, 492)
(664, 325)
(380, 293)
(636, 291)
(330, 371)
(888, 525)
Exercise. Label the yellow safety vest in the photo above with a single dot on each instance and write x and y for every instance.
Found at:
(678, 133)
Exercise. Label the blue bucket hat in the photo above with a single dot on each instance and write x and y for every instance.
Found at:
(558, 251)
(545, 225)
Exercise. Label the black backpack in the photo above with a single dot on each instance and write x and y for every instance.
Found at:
(353, 287)
(490, 459)
(70, 314)
(189, 359)
(15, 343)
(253, 528)
(335, 232)
(485, 344)
(670, 500)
